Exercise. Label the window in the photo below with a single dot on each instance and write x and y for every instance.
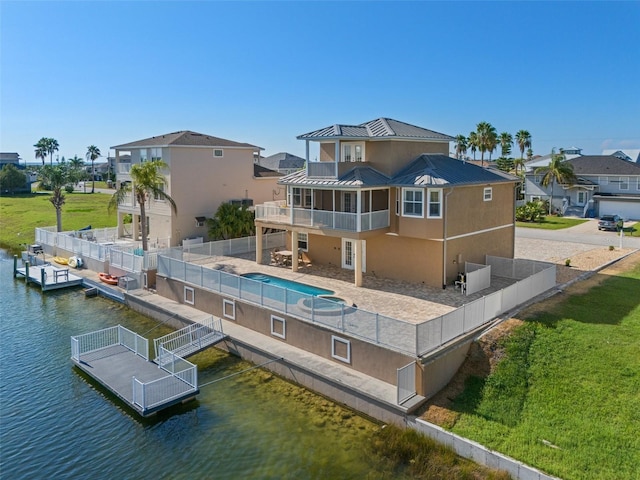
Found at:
(158, 196)
(228, 309)
(397, 201)
(296, 196)
(189, 295)
(624, 183)
(303, 241)
(349, 202)
(218, 152)
(488, 194)
(638, 184)
(412, 202)
(435, 203)
(156, 154)
(143, 155)
(200, 221)
(353, 152)
(537, 179)
(278, 327)
(340, 349)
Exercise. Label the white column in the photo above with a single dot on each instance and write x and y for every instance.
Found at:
(294, 250)
(358, 262)
(259, 244)
(337, 157)
(358, 211)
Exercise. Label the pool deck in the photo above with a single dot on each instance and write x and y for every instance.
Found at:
(393, 298)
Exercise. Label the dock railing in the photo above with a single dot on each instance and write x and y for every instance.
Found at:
(188, 340)
(108, 337)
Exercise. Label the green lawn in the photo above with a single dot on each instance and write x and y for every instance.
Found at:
(553, 223)
(566, 397)
(21, 214)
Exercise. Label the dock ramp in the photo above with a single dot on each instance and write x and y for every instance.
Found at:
(189, 340)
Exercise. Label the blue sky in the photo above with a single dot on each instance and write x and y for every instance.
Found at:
(107, 73)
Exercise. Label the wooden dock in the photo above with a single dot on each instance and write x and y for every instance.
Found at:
(117, 358)
(48, 276)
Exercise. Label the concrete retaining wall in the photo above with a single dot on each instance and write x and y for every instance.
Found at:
(478, 453)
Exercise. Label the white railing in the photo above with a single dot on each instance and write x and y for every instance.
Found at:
(406, 337)
(322, 169)
(108, 337)
(128, 261)
(406, 383)
(189, 339)
(323, 218)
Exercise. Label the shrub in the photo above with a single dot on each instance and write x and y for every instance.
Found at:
(68, 188)
(611, 248)
(531, 212)
(567, 262)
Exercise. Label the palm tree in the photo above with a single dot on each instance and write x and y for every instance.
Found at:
(56, 177)
(461, 146)
(472, 141)
(148, 182)
(487, 138)
(52, 147)
(518, 163)
(506, 142)
(41, 149)
(523, 139)
(231, 221)
(557, 171)
(93, 152)
(75, 166)
(529, 153)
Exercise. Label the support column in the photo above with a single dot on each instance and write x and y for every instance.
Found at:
(358, 262)
(294, 250)
(358, 211)
(258, 244)
(337, 157)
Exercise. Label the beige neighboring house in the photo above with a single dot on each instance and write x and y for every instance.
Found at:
(386, 199)
(203, 172)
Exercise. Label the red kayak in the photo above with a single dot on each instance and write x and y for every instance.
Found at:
(110, 279)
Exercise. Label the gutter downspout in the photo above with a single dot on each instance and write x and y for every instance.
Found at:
(444, 249)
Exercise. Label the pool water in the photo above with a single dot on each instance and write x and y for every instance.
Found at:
(288, 284)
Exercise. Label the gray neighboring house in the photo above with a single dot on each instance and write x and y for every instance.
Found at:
(282, 162)
(631, 155)
(12, 158)
(605, 185)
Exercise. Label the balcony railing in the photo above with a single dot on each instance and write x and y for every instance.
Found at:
(351, 222)
(124, 167)
(321, 169)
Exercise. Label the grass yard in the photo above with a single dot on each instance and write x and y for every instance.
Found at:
(21, 214)
(553, 223)
(566, 396)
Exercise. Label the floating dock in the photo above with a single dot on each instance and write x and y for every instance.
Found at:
(119, 360)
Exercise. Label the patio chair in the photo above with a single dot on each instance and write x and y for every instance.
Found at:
(304, 258)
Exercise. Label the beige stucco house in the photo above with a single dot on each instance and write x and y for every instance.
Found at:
(385, 198)
(203, 172)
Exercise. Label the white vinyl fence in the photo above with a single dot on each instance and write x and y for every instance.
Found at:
(478, 277)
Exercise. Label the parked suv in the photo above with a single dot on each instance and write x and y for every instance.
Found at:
(608, 222)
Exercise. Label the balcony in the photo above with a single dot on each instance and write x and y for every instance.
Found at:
(305, 217)
(124, 168)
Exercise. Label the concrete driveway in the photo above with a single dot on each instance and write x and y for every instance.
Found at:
(585, 233)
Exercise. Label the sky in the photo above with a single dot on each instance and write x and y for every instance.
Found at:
(106, 73)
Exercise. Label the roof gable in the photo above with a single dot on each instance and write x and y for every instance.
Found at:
(282, 161)
(184, 138)
(380, 128)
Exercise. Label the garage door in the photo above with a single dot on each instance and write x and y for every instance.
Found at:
(627, 210)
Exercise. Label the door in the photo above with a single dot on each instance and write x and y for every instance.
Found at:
(348, 254)
(582, 198)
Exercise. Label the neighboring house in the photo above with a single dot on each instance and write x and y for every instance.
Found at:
(203, 172)
(605, 185)
(543, 160)
(282, 162)
(12, 158)
(631, 155)
(386, 199)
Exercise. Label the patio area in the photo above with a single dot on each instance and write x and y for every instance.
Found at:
(394, 298)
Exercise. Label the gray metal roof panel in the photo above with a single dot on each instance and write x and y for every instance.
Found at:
(361, 177)
(440, 170)
(376, 129)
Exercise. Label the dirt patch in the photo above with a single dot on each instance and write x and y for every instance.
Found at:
(485, 353)
(586, 262)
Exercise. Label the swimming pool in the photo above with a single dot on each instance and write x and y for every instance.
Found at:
(288, 284)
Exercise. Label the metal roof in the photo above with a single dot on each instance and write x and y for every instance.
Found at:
(380, 128)
(184, 138)
(361, 177)
(440, 170)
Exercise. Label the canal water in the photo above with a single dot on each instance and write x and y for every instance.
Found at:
(56, 424)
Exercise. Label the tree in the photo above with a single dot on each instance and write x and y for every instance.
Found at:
(148, 182)
(52, 147)
(523, 139)
(518, 163)
(506, 142)
(529, 153)
(41, 149)
(55, 177)
(93, 152)
(557, 171)
(487, 139)
(11, 178)
(472, 141)
(76, 172)
(231, 221)
(461, 146)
